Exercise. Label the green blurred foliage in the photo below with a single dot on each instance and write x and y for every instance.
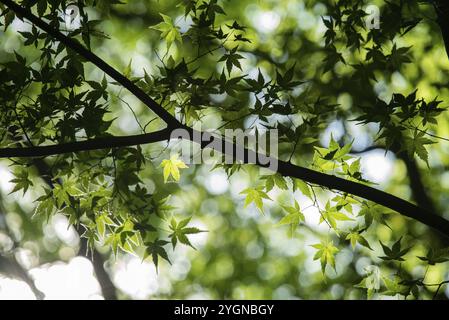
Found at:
(383, 87)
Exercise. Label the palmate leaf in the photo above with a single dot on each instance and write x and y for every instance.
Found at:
(326, 254)
(331, 215)
(396, 252)
(436, 256)
(232, 59)
(395, 286)
(275, 180)
(21, 181)
(156, 249)
(373, 213)
(180, 232)
(168, 30)
(45, 207)
(416, 145)
(102, 221)
(372, 280)
(255, 195)
(355, 237)
(293, 218)
(171, 167)
(303, 187)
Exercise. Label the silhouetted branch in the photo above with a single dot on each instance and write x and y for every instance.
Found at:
(89, 56)
(285, 168)
(86, 145)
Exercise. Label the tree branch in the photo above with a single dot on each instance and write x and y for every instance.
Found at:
(100, 63)
(86, 145)
(332, 182)
(285, 168)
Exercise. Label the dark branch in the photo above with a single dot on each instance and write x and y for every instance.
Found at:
(92, 144)
(100, 63)
(332, 182)
(285, 168)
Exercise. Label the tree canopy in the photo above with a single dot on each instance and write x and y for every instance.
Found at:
(92, 92)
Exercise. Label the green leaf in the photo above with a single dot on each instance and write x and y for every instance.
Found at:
(180, 232)
(331, 215)
(326, 254)
(395, 252)
(45, 208)
(255, 195)
(171, 167)
(21, 181)
(371, 282)
(102, 221)
(436, 256)
(155, 250)
(275, 179)
(232, 59)
(373, 213)
(168, 30)
(303, 187)
(356, 237)
(293, 218)
(394, 286)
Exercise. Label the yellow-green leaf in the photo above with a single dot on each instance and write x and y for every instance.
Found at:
(171, 167)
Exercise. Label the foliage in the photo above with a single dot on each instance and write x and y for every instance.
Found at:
(206, 62)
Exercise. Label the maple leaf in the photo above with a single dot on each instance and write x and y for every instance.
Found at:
(168, 30)
(171, 167)
(326, 254)
(255, 195)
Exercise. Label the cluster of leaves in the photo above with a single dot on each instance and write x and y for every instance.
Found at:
(404, 121)
(51, 100)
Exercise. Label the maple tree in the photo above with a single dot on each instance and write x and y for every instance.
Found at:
(62, 106)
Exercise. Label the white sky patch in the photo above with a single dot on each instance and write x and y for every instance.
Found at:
(74, 280)
(5, 177)
(136, 278)
(335, 128)
(64, 231)
(238, 184)
(312, 216)
(263, 21)
(184, 23)
(377, 166)
(360, 134)
(268, 21)
(26, 257)
(11, 289)
(217, 182)
(180, 268)
(399, 81)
